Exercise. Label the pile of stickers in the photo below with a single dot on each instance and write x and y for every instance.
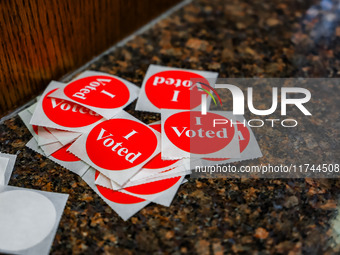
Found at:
(83, 127)
(29, 218)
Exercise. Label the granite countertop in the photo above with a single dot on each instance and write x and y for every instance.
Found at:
(215, 216)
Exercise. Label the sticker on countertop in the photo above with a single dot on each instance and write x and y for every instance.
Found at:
(157, 166)
(49, 143)
(64, 137)
(119, 147)
(189, 134)
(172, 88)
(7, 162)
(38, 214)
(102, 93)
(61, 114)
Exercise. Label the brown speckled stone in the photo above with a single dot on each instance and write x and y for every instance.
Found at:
(209, 216)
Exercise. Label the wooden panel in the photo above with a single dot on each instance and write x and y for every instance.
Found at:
(43, 40)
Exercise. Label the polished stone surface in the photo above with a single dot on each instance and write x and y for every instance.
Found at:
(217, 216)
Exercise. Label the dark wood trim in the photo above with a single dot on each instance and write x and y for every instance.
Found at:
(43, 40)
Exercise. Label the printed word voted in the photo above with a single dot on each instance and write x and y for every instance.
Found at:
(106, 137)
(200, 133)
(61, 104)
(92, 86)
(171, 81)
(175, 88)
(192, 132)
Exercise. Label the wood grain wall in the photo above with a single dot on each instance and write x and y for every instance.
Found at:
(42, 40)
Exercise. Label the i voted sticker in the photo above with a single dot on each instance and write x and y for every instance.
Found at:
(62, 114)
(195, 133)
(190, 134)
(119, 147)
(119, 144)
(175, 86)
(66, 113)
(157, 165)
(102, 93)
(98, 91)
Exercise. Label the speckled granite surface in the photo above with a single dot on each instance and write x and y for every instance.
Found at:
(212, 216)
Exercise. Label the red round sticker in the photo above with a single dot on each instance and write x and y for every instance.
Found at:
(174, 88)
(116, 196)
(195, 133)
(120, 144)
(153, 187)
(157, 162)
(98, 91)
(68, 114)
(63, 155)
(244, 137)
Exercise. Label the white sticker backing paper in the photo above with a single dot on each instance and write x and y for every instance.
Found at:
(7, 166)
(29, 220)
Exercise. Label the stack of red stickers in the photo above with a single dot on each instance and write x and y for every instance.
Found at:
(82, 126)
(210, 139)
(206, 138)
(118, 151)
